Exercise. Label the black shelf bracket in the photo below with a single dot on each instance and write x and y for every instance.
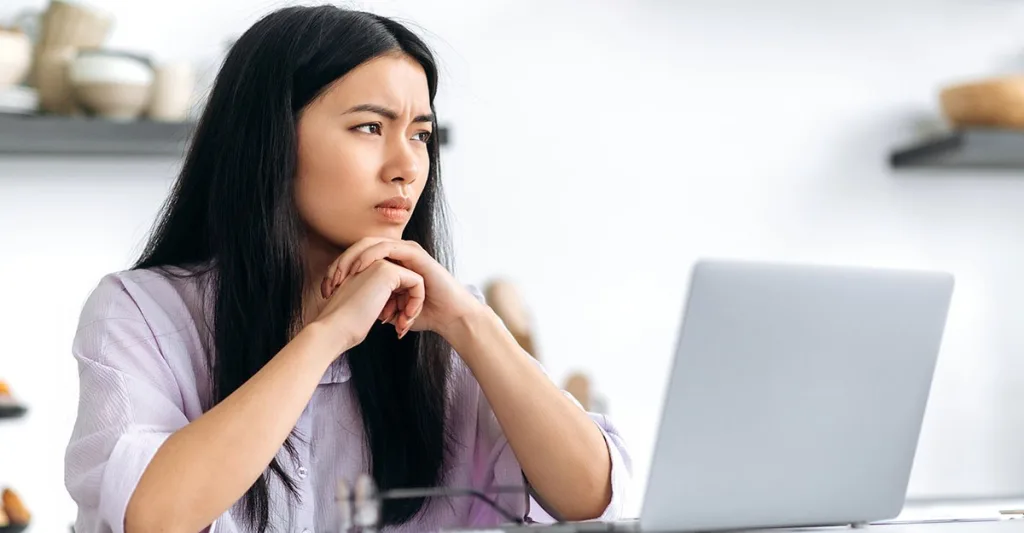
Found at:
(965, 149)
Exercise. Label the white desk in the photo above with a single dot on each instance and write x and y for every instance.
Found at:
(1002, 526)
(999, 526)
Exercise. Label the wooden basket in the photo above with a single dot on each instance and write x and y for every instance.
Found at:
(993, 103)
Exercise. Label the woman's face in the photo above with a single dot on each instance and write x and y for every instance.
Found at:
(363, 158)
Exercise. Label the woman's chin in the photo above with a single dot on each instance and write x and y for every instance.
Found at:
(392, 233)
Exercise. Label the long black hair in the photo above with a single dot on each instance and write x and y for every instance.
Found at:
(232, 211)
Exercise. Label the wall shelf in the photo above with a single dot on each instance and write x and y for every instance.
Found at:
(965, 149)
(57, 135)
(12, 411)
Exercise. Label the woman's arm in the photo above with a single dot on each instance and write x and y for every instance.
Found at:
(561, 450)
(203, 468)
(206, 466)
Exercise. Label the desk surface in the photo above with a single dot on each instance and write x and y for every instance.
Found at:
(967, 526)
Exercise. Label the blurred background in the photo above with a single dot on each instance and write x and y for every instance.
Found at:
(594, 151)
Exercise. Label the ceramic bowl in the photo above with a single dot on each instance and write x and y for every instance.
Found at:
(111, 84)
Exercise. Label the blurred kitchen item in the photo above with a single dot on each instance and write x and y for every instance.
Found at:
(112, 84)
(992, 103)
(5, 392)
(503, 297)
(69, 25)
(19, 100)
(13, 507)
(15, 56)
(51, 80)
(9, 406)
(171, 97)
(579, 386)
(75, 24)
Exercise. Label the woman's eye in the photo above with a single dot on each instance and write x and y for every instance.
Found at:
(422, 136)
(372, 129)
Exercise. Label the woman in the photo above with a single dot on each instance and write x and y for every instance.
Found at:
(289, 325)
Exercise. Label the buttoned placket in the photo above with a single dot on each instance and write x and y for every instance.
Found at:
(304, 518)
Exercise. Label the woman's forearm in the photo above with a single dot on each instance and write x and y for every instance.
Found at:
(561, 450)
(206, 466)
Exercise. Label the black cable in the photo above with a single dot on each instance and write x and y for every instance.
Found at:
(445, 492)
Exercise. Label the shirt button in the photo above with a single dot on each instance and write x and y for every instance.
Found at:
(303, 473)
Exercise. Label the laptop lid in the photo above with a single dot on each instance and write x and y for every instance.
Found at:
(796, 396)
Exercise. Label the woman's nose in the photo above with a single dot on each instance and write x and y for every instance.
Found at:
(403, 165)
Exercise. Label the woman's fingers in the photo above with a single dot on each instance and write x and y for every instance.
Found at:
(411, 295)
(408, 314)
(337, 271)
(408, 290)
(407, 253)
(390, 308)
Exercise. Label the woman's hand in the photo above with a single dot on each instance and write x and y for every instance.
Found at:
(447, 302)
(358, 300)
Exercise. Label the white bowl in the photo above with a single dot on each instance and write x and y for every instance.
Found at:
(109, 67)
(111, 84)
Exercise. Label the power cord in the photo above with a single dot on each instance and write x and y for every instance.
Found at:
(359, 506)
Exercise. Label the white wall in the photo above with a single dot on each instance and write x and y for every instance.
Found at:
(612, 145)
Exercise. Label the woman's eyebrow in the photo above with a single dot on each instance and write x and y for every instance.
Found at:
(386, 113)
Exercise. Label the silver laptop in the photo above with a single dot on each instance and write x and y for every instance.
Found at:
(796, 396)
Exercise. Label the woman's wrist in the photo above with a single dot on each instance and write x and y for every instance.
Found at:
(323, 342)
(469, 332)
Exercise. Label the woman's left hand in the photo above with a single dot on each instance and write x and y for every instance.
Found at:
(447, 302)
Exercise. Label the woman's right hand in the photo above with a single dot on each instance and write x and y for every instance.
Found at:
(359, 300)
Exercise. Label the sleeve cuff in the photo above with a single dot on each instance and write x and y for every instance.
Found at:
(127, 463)
(128, 460)
(621, 476)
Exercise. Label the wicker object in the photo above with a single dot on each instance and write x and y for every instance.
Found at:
(992, 103)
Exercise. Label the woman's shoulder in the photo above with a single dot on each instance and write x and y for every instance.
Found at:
(146, 292)
(141, 305)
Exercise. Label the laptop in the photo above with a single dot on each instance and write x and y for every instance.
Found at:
(796, 396)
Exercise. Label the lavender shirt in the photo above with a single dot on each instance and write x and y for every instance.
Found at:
(142, 349)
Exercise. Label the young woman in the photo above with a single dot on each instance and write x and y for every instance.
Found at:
(291, 323)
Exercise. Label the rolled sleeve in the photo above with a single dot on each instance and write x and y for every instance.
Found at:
(621, 472)
(122, 422)
(130, 401)
(622, 468)
(497, 465)
(127, 462)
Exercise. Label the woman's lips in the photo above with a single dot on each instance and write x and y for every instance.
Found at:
(395, 209)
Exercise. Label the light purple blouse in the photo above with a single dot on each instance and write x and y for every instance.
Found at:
(142, 349)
